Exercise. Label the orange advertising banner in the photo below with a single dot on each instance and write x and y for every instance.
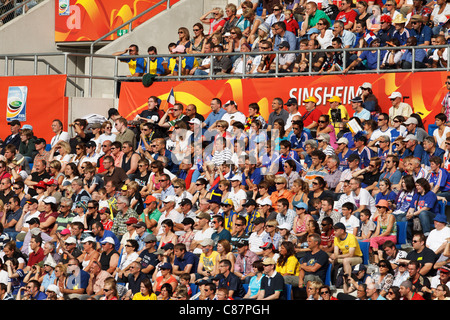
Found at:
(424, 91)
(33, 100)
(88, 20)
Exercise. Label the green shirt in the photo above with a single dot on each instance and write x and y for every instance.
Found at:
(154, 215)
(316, 17)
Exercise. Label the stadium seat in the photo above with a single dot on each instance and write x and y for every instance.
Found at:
(401, 233)
(288, 290)
(245, 285)
(48, 147)
(328, 275)
(364, 246)
(194, 288)
(431, 128)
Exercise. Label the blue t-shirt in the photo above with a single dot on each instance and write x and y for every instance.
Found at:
(371, 58)
(79, 281)
(343, 163)
(428, 200)
(188, 258)
(256, 177)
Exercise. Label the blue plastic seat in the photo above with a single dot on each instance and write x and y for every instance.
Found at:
(364, 246)
(288, 290)
(328, 275)
(401, 233)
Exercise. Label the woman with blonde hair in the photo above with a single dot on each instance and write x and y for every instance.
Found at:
(216, 23)
(184, 38)
(64, 156)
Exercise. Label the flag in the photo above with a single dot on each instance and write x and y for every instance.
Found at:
(369, 37)
(171, 99)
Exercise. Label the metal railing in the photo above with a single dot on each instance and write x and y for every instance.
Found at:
(15, 10)
(10, 61)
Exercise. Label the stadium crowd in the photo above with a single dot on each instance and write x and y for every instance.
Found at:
(173, 205)
(256, 27)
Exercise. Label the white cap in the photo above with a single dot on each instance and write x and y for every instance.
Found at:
(411, 120)
(90, 238)
(70, 240)
(395, 94)
(54, 288)
(264, 202)
(410, 137)
(50, 200)
(169, 198)
(342, 140)
(366, 85)
(236, 177)
(195, 121)
(286, 226)
(108, 240)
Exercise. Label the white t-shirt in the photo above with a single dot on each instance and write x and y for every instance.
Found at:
(201, 235)
(364, 199)
(237, 197)
(441, 139)
(437, 237)
(237, 116)
(350, 224)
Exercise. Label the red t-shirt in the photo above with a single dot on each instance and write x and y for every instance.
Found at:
(347, 17)
(34, 258)
(311, 117)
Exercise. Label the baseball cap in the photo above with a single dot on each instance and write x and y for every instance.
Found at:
(32, 200)
(310, 99)
(131, 220)
(410, 137)
(140, 224)
(395, 94)
(301, 205)
(64, 232)
(250, 202)
(411, 120)
(165, 266)
(267, 245)
(108, 240)
(323, 137)
(207, 242)
(339, 225)
(195, 121)
(291, 101)
(366, 85)
(268, 261)
(264, 202)
(335, 99)
(242, 242)
(236, 177)
(51, 182)
(41, 184)
(91, 144)
(89, 238)
(34, 221)
(150, 199)
(342, 140)
(50, 200)
(169, 198)
(150, 238)
(356, 99)
(228, 202)
(71, 240)
(358, 268)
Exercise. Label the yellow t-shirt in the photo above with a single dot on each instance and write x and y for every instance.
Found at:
(350, 241)
(209, 262)
(340, 113)
(291, 267)
(139, 296)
